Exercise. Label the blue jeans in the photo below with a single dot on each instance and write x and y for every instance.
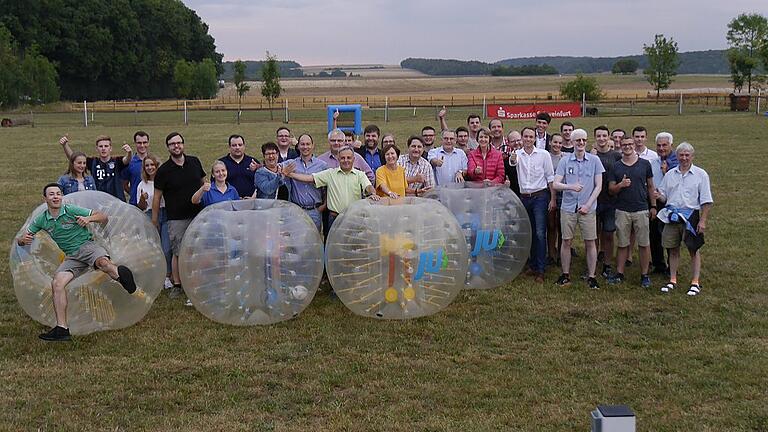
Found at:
(165, 239)
(314, 214)
(537, 213)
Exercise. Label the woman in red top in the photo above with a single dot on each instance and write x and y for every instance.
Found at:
(485, 162)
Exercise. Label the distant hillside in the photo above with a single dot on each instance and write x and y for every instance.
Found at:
(287, 68)
(692, 62)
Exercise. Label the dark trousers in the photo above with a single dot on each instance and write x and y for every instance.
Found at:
(537, 213)
(657, 251)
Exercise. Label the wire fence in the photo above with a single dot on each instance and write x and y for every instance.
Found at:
(292, 109)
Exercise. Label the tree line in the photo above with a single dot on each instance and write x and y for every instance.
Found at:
(102, 49)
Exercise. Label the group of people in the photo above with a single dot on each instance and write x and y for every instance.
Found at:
(655, 199)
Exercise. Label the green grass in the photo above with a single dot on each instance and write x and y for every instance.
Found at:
(520, 357)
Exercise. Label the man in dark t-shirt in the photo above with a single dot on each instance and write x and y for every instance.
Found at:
(104, 168)
(177, 180)
(606, 221)
(240, 167)
(631, 181)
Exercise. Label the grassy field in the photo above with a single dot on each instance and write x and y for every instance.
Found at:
(520, 357)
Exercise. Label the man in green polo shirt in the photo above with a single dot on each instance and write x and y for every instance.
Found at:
(345, 184)
(67, 226)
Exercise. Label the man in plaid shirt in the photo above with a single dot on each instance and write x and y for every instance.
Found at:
(418, 172)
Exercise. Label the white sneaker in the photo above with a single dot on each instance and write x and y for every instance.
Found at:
(167, 284)
(188, 303)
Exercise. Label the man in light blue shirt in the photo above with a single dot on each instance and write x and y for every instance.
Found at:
(449, 163)
(580, 177)
(666, 161)
(306, 195)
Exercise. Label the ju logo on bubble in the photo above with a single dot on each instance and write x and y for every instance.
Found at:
(431, 262)
(488, 241)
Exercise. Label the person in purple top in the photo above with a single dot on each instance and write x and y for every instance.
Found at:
(336, 142)
(240, 166)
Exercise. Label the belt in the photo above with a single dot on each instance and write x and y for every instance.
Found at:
(313, 207)
(534, 194)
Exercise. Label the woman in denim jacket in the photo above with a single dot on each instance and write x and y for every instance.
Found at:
(77, 177)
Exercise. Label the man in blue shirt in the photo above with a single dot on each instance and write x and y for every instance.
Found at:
(240, 167)
(370, 151)
(132, 175)
(580, 177)
(306, 195)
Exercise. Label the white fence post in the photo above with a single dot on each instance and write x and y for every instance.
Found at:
(85, 112)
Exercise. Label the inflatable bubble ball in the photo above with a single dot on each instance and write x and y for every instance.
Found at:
(251, 262)
(496, 227)
(396, 259)
(95, 301)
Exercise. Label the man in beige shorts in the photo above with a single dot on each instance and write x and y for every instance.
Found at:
(631, 181)
(580, 177)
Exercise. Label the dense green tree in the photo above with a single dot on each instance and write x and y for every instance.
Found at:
(10, 84)
(581, 85)
(748, 41)
(111, 49)
(625, 66)
(241, 86)
(204, 82)
(662, 62)
(270, 86)
(182, 79)
(39, 77)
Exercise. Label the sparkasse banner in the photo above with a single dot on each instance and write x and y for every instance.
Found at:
(516, 112)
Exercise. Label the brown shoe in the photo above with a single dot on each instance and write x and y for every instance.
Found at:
(539, 278)
(529, 272)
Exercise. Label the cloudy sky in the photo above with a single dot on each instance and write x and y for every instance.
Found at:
(388, 31)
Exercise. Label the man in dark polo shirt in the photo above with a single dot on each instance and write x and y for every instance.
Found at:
(177, 180)
(606, 203)
(240, 167)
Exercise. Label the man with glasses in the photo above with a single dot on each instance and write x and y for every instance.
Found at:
(285, 144)
(331, 159)
(631, 181)
(473, 127)
(177, 180)
(450, 163)
(580, 177)
(428, 139)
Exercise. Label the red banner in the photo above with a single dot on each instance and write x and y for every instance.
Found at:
(562, 110)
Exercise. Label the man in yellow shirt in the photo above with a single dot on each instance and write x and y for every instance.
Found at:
(345, 184)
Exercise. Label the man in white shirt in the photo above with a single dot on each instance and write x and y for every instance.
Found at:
(686, 191)
(450, 163)
(640, 135)
(535, 175)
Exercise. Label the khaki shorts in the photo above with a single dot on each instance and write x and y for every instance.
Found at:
(587, 225)
(627, 222)
(672, 235)
(83, 260)
(176, 230)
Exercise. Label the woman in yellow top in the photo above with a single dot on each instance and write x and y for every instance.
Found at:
(390, 178)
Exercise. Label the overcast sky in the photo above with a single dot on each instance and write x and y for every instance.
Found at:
(388, 31)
